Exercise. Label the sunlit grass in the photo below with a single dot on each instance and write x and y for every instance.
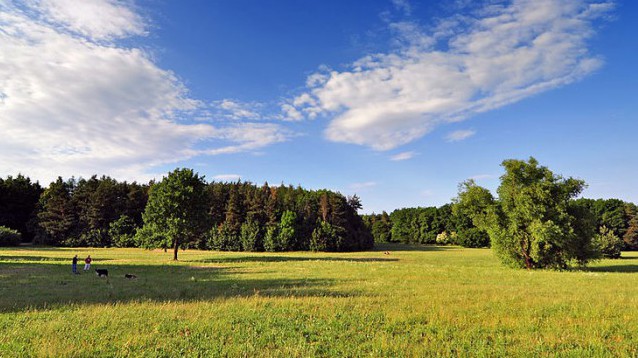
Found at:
(416, 301)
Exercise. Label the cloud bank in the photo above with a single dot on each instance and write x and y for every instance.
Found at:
(74, 101)
(504, 52)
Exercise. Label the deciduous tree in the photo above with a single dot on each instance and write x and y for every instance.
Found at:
(176, 211)
(530, 224)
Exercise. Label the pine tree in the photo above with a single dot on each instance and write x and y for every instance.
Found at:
(56, 216)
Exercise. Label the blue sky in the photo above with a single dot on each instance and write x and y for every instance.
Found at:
(395, 100)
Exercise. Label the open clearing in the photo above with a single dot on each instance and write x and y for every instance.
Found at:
(416, 301)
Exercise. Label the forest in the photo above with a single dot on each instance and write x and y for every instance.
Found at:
(238, 216)
(441, 225)
(242, 216)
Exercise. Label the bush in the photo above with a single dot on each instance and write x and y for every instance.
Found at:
(472, 237)
(443, 238)
(9, 237)
(608, 244)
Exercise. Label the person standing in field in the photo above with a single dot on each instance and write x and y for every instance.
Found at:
(87, 263)
(75, 264)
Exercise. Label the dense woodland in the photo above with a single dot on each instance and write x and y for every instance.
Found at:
(101, 212)
(441, 225)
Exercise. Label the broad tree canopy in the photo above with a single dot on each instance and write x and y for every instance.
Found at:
(532, 223)
(176, 211)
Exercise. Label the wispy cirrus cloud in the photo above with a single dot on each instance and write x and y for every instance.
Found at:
(362, 186)
(504, 52)
(236, 110)
(403, 5)
(227, 177)
(402, 156)
(483, 176)
(75, 101)
(459, 135)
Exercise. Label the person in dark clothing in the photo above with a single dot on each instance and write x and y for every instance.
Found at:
(75, 264)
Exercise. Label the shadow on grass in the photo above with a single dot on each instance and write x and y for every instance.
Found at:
(409, 247)
(45, 258)
(267, 258)
(49, 285)
(614, 268)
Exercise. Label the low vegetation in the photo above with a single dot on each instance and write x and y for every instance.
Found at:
(412, 301)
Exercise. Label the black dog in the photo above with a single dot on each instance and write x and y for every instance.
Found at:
(130, 276)
(102, 272)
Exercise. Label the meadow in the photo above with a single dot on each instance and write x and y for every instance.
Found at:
(415, 301)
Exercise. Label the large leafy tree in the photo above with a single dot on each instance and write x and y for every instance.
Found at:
(176, 211)
(531, 223)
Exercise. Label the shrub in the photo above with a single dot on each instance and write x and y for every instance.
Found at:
(472, 237)
(443, 238)
(9, 237)
(608, 244)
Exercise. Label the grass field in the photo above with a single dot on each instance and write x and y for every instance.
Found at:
(416, 301)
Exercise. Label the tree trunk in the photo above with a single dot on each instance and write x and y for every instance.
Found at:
(175, 252)
(525, 251)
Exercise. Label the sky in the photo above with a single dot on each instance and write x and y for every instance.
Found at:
(397, 101)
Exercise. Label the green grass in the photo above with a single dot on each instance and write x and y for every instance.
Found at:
(417, 301)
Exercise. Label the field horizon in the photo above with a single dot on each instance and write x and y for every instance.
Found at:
(414, 301)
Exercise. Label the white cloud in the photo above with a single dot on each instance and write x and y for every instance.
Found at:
(402, 156)
(227, 177)
(291, 113)
(96, 19)
(232, 109)
(245, 137)
(505, 52)
(459, 135)
(362, 186)
(71, 105)
(403, 5)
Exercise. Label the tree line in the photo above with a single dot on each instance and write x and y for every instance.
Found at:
(535, 221)
(426, 225)
(442, 225)
(102, 212)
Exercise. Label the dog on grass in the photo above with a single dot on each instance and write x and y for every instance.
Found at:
(102, 272)
(130, 276)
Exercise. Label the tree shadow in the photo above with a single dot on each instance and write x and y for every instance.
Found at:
(45, 258)
(410, 247)
(614, 268)
(49, 285)
(270, 258)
